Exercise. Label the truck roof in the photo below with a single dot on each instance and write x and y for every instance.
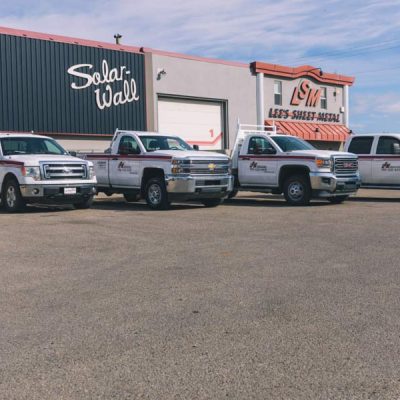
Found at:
(11, 134)
(375, 134)
(142, 133)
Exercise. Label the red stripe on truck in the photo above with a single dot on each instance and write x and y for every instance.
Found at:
(275, 158)
(125, 157)
(11, 163)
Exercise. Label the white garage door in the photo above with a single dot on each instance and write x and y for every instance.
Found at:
(197, 122)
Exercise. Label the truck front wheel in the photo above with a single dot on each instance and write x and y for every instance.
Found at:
(297, 190)
(11, 197)
(156, 194)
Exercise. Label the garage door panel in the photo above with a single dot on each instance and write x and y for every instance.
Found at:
(197, 122)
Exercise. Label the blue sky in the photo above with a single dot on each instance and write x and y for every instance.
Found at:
(357, 38)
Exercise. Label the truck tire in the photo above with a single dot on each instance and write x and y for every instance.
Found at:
(337, 199)
(156, 194)
(235, 190)
(131, 198)
(297, 190)
(11, 198)
(232, 194)
(85, 204)
(212, 202)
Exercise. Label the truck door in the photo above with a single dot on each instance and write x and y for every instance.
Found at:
(362, 146)
(124, 166)
(386, 164)
(257, 163)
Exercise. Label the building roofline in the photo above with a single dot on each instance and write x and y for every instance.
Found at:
(67, 39)
(194, 58)
(301, 71)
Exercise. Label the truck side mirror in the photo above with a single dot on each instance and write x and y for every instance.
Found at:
(72, 153)
(395, 148)
(196, 147)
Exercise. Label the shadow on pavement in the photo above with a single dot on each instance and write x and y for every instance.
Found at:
(263, 201)
(374, 199)
(122, 205)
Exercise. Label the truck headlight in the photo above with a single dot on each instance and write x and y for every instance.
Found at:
(178, 166)
(91, 172)
(323, 162)
(32, 172)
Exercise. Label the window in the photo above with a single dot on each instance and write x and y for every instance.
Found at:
(30, 145)
(278, 93)
(290, 143)
(260, 145)
(361, 145)
(324, 101)
(128, 145)
(388, 145)
(153, 143)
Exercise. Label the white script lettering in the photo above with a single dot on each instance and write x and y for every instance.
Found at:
(109, 96)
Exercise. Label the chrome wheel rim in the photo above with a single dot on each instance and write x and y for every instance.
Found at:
(296, 190)
(154, 194)
(11, 197)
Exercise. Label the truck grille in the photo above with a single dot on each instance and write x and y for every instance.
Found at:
(345, 166)
(64, 171)
(207, 167)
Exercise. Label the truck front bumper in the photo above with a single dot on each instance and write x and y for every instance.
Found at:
(57, 194)
(330, 185)
(189, 187)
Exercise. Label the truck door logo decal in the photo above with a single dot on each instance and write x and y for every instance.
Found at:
(386, 166)
(123, 168)
(108, 96)
(259, 168)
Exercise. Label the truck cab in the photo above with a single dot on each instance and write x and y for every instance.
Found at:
(265, 161)
(379, 159)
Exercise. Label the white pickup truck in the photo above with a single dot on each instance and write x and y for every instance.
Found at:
(161, 168)
(378, 157)
(264, 161)
(36, 169)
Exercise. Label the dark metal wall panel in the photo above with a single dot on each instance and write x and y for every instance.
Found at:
(36, 93)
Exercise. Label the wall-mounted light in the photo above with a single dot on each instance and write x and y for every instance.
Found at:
(160, 73)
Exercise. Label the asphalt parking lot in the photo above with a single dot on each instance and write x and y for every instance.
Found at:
(250, 300)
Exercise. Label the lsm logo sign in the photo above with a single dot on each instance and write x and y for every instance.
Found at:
(305, 92)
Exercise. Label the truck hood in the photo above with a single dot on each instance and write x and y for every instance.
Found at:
(191, 154)
(321, 153)
(33, 160)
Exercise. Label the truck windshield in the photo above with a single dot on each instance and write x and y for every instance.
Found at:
(290, 143)
(153, 143)
(30, 145)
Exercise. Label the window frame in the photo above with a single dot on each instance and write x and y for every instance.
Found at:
(324, 97)
(386, 137)
(263, 138)
(279, 93)
(134, 140)
(371, 138)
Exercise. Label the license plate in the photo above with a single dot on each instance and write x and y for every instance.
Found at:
(69, 190)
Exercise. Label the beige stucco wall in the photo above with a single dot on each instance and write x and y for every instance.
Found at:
(203, 80)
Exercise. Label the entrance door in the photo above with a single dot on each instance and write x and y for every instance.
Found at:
(197, 122)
